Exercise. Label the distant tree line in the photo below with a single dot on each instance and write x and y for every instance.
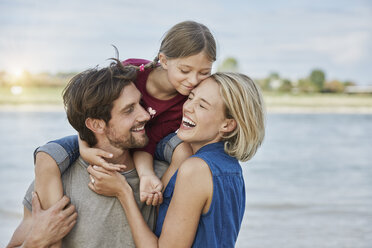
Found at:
(315, 82)
(40, 79)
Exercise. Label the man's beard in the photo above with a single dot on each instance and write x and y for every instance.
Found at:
(125, 142)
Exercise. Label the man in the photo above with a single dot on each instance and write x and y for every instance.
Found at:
(104, 107)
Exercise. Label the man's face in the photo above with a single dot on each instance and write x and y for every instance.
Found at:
(126, 129)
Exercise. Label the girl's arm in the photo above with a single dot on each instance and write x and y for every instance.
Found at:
(63, 151)
(191, 198)
(53, 158)
(96, 156)
(170, 149)
(50, 161)
(150, 184)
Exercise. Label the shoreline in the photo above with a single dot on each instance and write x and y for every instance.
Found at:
(269, 109)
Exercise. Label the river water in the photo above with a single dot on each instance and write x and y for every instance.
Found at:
(309, 185)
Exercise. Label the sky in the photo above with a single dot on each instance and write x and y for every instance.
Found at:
(288, 37)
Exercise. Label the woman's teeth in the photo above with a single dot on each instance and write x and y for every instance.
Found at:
(187, 122)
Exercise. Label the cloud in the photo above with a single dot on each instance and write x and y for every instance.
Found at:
(342, 49)
(347, 49)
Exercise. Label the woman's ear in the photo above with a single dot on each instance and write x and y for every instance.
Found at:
(95, 125)
(228, 126)
(163, 61)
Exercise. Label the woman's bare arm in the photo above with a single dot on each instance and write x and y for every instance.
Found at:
(192, 195)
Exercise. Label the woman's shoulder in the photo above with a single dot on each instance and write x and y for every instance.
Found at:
(194, 176)
(218, 161)
(193, 167)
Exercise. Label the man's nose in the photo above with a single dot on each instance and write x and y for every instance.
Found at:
(144, 115)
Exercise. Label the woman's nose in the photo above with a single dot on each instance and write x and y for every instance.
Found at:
(188, 106)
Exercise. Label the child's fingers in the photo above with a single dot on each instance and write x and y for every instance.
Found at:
(97, 171)
(159, 188)
(109, 166)
(101, 169)
(143, 196)
(103, 153)
(155, 200)
(160, 198)
(149, 199)
(116, 167)
(121, 166)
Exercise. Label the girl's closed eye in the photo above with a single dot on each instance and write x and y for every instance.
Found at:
(205, 73)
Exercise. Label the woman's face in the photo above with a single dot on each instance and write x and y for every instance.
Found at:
(185, 73)
(203, 115)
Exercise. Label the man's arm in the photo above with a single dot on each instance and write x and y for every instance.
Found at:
(42, 228)
(20, 234)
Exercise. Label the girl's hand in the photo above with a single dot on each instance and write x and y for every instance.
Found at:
(150, 190)
(96, 156)
(108, 183)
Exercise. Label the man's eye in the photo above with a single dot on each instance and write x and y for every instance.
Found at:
(130, 110)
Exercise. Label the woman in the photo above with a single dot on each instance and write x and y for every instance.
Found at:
(204, 201)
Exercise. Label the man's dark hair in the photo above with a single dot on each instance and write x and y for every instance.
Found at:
(91, 94)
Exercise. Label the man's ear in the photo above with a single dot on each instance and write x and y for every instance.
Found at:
(228, 126)
(95, 125)
(163, 61)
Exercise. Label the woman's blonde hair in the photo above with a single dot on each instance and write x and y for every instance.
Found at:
(244, 103)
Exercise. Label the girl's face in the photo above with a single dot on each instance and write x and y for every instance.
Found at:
(185, 73)
(204, 120)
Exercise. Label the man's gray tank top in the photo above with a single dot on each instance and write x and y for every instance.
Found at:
(101, 220)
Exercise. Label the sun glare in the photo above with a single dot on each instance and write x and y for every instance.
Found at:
(16, 90)
(17, 72)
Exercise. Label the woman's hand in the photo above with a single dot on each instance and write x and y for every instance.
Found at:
(96, 156)
(108, 183)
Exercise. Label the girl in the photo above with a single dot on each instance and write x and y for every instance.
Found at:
(204, 201)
